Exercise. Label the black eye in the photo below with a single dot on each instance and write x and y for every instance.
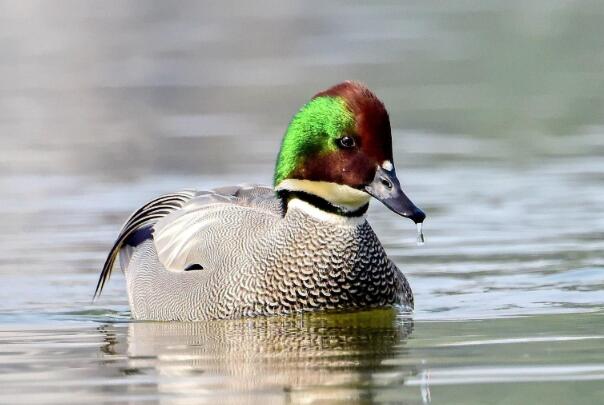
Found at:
(347, 142)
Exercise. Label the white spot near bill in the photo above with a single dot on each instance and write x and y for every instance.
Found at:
(387, 165)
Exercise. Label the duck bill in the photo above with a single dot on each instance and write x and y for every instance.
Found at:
(386, 188)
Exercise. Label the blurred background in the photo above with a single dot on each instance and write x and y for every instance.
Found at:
(497, 109)
(148, 87)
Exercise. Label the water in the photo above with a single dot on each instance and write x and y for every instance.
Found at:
(420, 234)
(499, 138)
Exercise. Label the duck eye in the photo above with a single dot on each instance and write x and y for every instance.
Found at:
(346, 142)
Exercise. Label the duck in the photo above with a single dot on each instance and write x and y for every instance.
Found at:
(302, 245)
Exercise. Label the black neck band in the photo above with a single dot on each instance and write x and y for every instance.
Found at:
(320, 203)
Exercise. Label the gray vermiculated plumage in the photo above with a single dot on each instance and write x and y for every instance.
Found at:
(146, 215)
(256, 261)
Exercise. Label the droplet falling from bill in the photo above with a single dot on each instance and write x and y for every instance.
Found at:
(420, 234)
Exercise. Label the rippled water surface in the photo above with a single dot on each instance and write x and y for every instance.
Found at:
(498, 129)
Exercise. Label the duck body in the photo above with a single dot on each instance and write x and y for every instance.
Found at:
(302, 245)
(251, 258)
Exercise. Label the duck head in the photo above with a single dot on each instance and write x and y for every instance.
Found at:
(338, 150)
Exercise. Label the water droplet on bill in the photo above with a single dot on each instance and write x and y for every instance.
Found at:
(420, 234)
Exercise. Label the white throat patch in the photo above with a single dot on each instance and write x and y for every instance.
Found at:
(339, 195)
(325, 216)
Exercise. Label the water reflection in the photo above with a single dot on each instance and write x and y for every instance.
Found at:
(298, 358)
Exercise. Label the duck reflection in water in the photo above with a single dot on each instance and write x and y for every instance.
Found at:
(299, 358)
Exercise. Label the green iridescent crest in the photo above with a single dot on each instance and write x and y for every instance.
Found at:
(314, 129)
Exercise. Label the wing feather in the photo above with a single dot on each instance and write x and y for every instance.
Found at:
(148, 214)
(177, 218)
(183, 237)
